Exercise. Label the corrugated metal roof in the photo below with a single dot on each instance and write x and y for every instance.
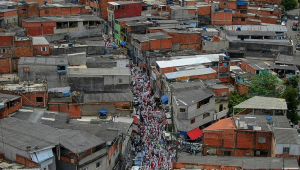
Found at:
(98, 72)
(258, 102)
(54, 61)
(107, 97)
(195, 72)
(286, 136)
(39, 41)
(276, 28)
(190, 97)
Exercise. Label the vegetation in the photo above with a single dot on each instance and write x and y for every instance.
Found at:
(236, 98)
(263, 84)
(289, 4)
(291, 97)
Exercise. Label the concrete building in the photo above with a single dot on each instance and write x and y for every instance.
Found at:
(52, 71)
(80, 46)
(73, 26)
(8, 18)
(9, 104)
(183, 13)
(100, 79)
(193, 107)
(214, 44)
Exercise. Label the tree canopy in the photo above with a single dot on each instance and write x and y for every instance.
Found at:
(236, 98)
(289, 4)
(263, 84)
(291, 95)
(292, 81)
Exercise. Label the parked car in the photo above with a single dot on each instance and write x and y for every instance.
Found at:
(296, 17)
(283, 23)
(284, 18)
(294, 28)
(295, 23)
(298, 47)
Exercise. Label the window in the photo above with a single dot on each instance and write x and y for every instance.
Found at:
(120, 80)
(109, 162)
(205, 115)
(225, 3)
(43, 48)
(123, 6)
(3, 50)
(26, 69)
(73, 24)
(193, 121)
(46, 11)
(220, 107)
(98, 164)
(39, 99)
(243, 19)
(261, 140)
(227, 153)
(224, 93)
(286, 150)
(182, 109)
(203, 102)
(24, 11)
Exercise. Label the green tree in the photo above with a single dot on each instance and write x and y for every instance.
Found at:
(291, 94)
(289, 4)
(292, 81)
(263, 84)
(236, 98)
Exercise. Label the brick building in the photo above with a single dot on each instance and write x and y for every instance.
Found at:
(61, 10)
(41, 46)
(9, 104)
(26, 10)
(12, 48)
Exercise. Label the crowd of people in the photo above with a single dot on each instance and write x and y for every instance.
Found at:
(153, 148)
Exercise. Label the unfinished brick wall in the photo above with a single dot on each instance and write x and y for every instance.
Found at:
(221, 18)
(38, 50)
(24, 161)
(204, 10)
(4, 65)
(38, 28)
(9, 13)
(218, 92)
(23, 49)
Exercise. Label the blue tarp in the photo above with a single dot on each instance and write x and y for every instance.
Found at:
(164, 99)
(123, 43)
(103, 112)
(182, 134)
(1, 106)
(66, 93)
(241, 3)
(41, 156)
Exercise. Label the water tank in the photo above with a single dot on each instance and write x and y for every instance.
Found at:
(103, 113)
(204, 28)
(154, 21)
(238, 29)
(227, 57)
(269, 119)
(70, 44)
(66, 93)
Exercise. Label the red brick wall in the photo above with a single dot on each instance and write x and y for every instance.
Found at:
(204, 10)
(247, 68)
(218, 92)
(24, 161)
(32, 98)
(4, 65)
(130, 10)
(36, 28)
(23, 49)
(9, 13)
(6, 111)
(242, 88)
(221, 18)
(32, 11)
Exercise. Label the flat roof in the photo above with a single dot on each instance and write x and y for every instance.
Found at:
(198, 59)
(24, 87)
(4, 98)
(122, 2)
(107, 97)
(286, 136)
(7, 10)
(190, 97)
(52, 61)
(65, 19)
(258, 102)
(245, 162)
(136, 18)
(284, 67)
(177, 74)
(151, 36)
(167, 22)
(223, 124)
(39, 41)
(251, 33)
(98, 72)
(180, 31)
(276, 28)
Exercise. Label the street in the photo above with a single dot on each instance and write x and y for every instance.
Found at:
(290, 33)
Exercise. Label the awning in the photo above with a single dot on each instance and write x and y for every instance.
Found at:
(136, 120)
(164, 99)
(195, 133)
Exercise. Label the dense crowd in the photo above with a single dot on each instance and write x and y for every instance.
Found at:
(153, 148)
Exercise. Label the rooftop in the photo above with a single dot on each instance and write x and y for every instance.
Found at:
(180, 31)
(244, 162)
(98, 72)
(167, 22)
(191, 85)
(107, 97)
(286, 136)
(194, 72)
(122, 2)
(284, 67)
(7, 10)
(258, 65)
(4, 98)
(276, 28)
(259, 122)
(191, 97)
(65, 19)
(25, 87)
(272, 55)
(49, 61)
(223, 124)
(137, 18)
(258, 102)
(199, 59)
(251, 33)
(39, 41)
(151, 36)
